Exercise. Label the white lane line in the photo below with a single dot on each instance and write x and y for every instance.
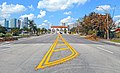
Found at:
(105, 50)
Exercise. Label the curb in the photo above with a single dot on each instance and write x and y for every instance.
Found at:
(110, 43)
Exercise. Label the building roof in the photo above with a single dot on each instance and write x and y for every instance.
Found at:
(59, 27)
(118, 29)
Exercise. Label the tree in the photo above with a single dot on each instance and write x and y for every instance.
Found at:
(96, 22)
(2, 29)
(15, 31)
(38, 31)
(79, 22)
(25, 29)
(43, 30)
(49, 30)
(73, 29)
(32, 25)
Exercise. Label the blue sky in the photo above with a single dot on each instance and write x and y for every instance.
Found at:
(55, 12)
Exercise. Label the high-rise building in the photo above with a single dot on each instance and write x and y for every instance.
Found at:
(63, 24)
(25, 22)
(13, 23)
(19, 23)
(71, 26)
(6, 23)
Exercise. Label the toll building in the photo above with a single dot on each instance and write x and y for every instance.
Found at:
(59, 29)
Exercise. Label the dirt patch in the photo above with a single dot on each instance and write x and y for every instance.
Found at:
(7, 39)
(92, 37)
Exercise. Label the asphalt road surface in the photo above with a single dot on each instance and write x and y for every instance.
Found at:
(24, 55)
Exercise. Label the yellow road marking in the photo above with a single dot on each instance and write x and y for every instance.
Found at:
(60, 49)
(45, 61)
(74, 54)
(60, 44)
(40, 64)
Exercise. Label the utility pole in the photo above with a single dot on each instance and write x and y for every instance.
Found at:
(107, 23)
(107, 27)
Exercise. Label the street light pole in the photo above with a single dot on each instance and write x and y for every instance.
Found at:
(107, 26)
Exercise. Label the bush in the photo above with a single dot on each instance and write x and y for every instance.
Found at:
(1, 34)
(118, 35)
(69, 32)
(90, 32)
(8, 35)
(24, 35)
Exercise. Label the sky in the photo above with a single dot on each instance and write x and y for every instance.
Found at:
(54, 12)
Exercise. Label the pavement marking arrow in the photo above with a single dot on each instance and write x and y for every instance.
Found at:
(45, 61)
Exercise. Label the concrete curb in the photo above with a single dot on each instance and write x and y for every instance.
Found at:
(109, 42)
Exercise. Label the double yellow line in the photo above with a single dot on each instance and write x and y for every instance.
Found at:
(45, 61)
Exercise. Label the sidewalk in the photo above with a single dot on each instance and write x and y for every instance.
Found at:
(109, 42)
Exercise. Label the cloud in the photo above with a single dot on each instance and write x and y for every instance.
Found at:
(7, 10)
(30, 16)
(70, 23)
(117, 22)
(43, 25)
(45, 21)
(4, 15)
(68, 13)
(117, 17)
(103, 8)
(31, 7)
(54, 5)
(67, 20)
(42, 14)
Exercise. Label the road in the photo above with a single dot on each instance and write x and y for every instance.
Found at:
(24, 55)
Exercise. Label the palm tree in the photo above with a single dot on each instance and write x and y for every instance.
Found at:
(43, 30)
(32, 25)
(34, 29)
(38, 31)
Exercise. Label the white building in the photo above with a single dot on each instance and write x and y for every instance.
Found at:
(59, 29)
(13, 23)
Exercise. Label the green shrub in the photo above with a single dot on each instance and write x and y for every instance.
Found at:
(24, 35)
(90, 32)
(8, 35)
(2, 35)
(118, 35)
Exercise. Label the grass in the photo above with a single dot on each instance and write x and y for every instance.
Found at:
(116, 40)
